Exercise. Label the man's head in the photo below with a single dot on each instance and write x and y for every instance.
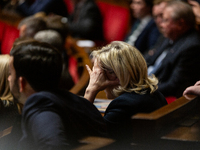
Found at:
(34, 67)
(29, 26)
(50, 36)
(59, 24)
(157, 12)
(178, 18)
(141, 8)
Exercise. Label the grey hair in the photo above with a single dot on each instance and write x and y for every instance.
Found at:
(49, 36)
(182, 10)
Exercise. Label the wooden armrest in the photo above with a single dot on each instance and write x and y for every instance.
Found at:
(154, 125)
(93, 143)
(5, 132)
(167, 109)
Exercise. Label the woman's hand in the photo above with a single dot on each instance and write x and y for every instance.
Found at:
(98, 81)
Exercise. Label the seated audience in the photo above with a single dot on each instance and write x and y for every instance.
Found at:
(29, 7)
(144, 32)
(51, 118)
(176, 61)
(86, 21)
(120, 70)
(29, 26)
(54, 38)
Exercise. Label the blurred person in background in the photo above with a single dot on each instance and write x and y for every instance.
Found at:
(86, 21)
(29, 26)
(144, 32)
(176, 61)
(31, 7)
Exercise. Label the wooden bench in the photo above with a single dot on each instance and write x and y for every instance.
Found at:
(177, 124)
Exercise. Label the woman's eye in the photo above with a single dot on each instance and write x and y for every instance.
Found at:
(110, 72)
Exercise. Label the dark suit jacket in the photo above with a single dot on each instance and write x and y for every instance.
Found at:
(118, 113)
(147, 38)
(86, 22)
(48, 6)
(57, 120)
(181, 66)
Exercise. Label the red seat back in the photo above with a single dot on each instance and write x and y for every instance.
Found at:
(170, 99)
(115, 21)
(69, 5)
(8, 34)
(73, 69)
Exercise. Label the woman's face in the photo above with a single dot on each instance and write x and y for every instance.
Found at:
(110, 76)
(140, 9)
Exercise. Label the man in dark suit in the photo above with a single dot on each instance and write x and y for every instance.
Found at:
(51, 118)
(86, 21)
(176, 62)
(144, 32)
(30, 7)
(157, 12)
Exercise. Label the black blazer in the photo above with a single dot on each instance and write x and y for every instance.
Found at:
(118, 113)
(181, 66)
(57, 120)
(48, 6)
(86, 22)
(147, 38)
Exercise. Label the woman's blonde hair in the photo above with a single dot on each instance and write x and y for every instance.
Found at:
(5, 93)
(128, 65)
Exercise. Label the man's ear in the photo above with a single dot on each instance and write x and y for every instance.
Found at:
(22, 84)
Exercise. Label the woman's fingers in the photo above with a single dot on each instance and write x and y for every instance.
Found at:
(88, 69)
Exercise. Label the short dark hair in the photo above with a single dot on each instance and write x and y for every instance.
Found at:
(33, 25)
(39, 63)
(184, 12)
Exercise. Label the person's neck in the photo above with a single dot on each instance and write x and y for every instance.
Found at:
(145, 17)
(26, 93)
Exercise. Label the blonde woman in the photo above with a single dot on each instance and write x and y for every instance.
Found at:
(5, 94)
(121, 71)
(9, 110)
(6, 98)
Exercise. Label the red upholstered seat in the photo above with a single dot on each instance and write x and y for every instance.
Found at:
(69, 5)
(8, 34)
(115, 21)
(73, 69)
(170, 99)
